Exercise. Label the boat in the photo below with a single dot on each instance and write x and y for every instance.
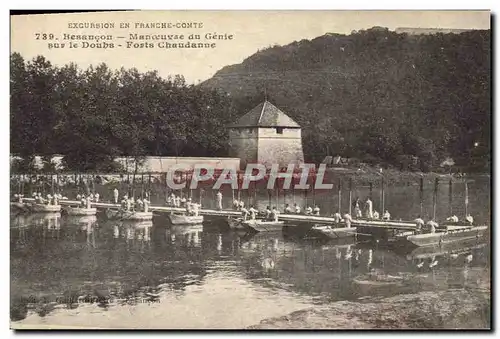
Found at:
(80, 211)
(235, 224)
(138, 224)
(183, 219)
(43, 208)
(375, 282)
(128, 215)
(258, 225)
(19, 206)
(181, 229)
(454, 248)
(327, 231)
(439, 238)
(80, 219)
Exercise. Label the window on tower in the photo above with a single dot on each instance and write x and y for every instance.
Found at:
(279, 130)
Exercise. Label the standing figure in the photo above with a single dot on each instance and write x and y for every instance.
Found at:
(252, 212)
(139, 204)
(267, 214)
(420, 224)
(348, 220)
(115, 195)
(316, 210)
(96, 197)
(309, 210)
(218, 199)
(432, 226)
(244, 213)
(288, 209)
(195, 208)
(275, 214)
(355, 206)
(236, 204)
(368, 208)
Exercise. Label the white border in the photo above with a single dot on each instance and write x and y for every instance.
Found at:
(190, 4)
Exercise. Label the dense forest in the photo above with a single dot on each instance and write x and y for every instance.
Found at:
(379, 96)
(375, 95)
(91, 116)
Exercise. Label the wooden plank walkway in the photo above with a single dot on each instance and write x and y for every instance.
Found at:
(231, 213)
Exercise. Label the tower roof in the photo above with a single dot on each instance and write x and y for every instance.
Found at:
(265, 115)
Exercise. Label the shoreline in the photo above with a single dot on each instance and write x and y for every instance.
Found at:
(451, 309)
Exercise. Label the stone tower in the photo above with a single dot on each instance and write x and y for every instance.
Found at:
(267, 136)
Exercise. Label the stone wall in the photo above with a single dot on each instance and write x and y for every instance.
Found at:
(244, 142)
(283, 149)
(163, 164)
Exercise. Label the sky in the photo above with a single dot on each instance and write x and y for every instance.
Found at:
(251, 30)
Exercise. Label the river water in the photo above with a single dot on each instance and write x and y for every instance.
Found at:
(91, 272)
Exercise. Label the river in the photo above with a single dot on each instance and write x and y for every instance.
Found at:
(94, 273)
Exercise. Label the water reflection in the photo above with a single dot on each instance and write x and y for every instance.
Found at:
(60, 265)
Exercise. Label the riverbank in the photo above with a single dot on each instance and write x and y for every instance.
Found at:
(451, 309)
(393, 177)
(358, 177)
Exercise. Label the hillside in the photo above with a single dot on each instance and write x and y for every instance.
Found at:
(376, 94)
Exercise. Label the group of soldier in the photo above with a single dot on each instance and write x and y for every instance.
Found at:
(48, 200)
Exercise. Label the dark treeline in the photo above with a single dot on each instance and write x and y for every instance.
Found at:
(379, 96)
(91, 116)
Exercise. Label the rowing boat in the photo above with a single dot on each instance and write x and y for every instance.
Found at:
(258, 225)
(186, 229)
(128, 215)
(331, 233)
(42, 208)
(376, 283)
(81, 219)
(182, 219)
(454, 248)
(80, 211)
(439, 238)
(19, 206)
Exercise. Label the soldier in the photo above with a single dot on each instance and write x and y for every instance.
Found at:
(218, 199)
(297, 208)
(252, 212)
(275, 214)
(348, 220)
(116, 195)
(368, 208)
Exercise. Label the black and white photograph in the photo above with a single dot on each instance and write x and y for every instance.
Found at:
(251, 170)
